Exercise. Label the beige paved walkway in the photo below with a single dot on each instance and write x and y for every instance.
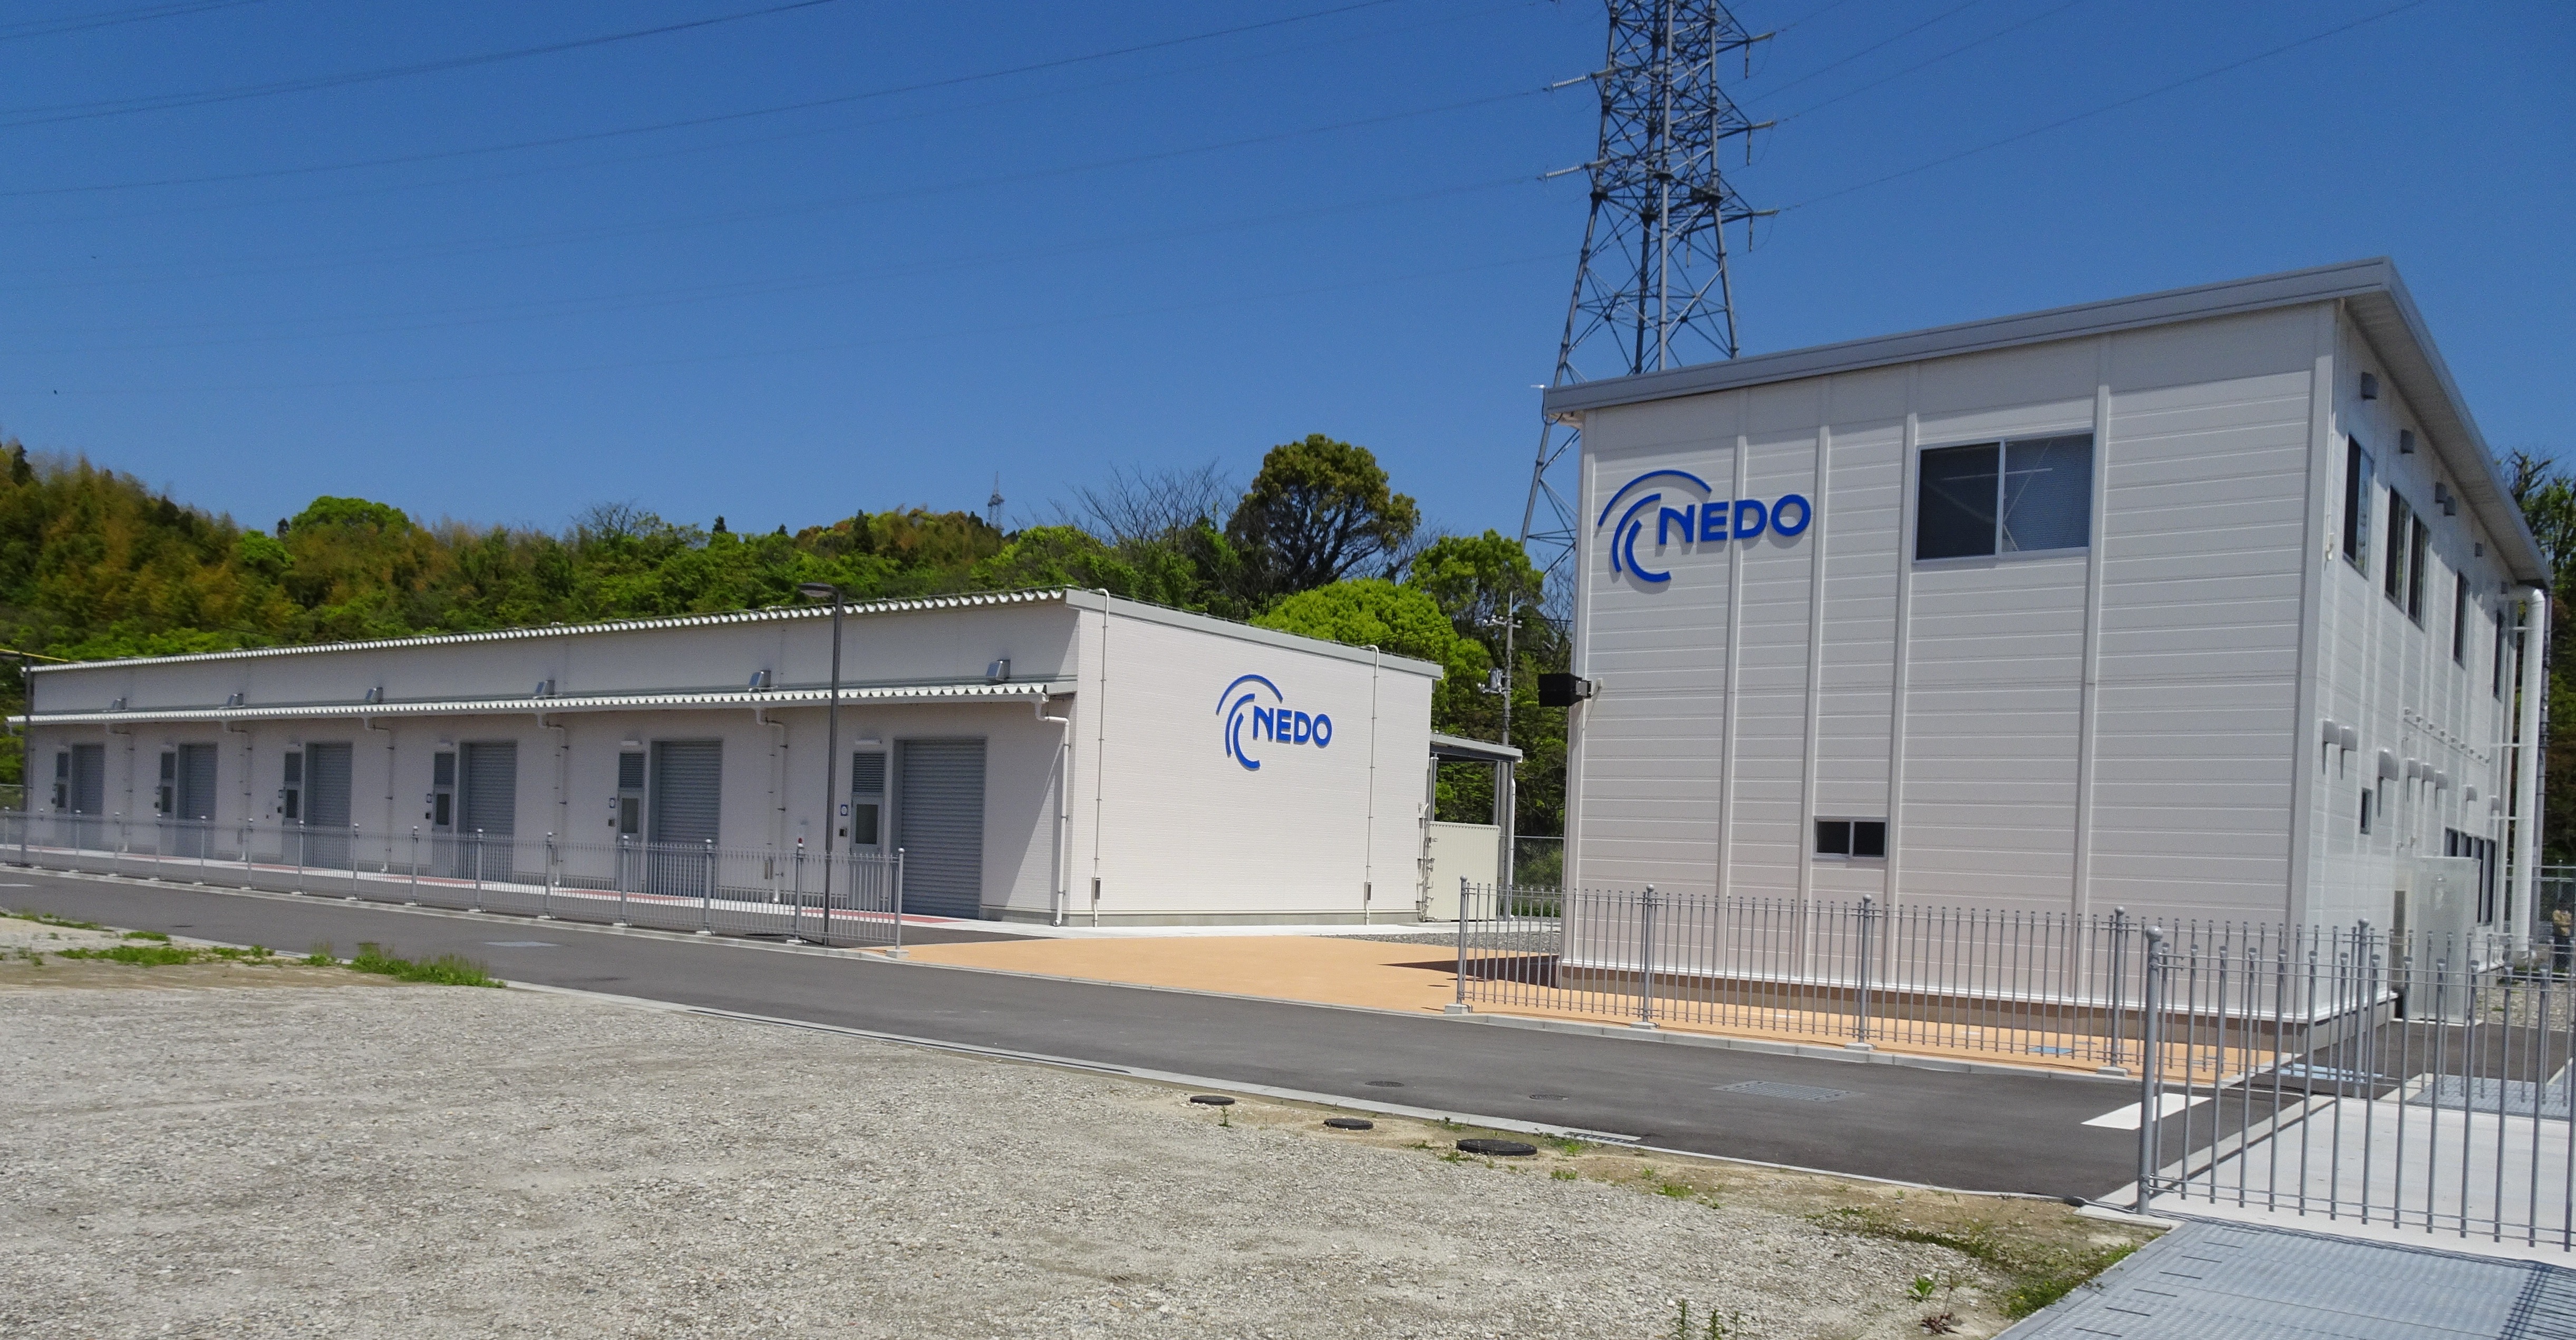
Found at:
(1332, 970)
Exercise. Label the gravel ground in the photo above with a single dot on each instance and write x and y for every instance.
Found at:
(406, 1161)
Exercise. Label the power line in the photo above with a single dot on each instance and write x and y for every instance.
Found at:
(1826, 69)
(1935, 60)
(2113, 106)
(394, 255)
(492, 313)
(781, 109)
(910, 337)
(18, 117)
(81, 23)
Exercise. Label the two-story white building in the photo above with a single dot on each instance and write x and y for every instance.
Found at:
(2209, 604)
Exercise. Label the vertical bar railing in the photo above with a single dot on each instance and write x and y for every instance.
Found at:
(2150, 1069)
(707, 892)
(1860, 994)
(898, 902)
(546, 889)
(1645, 960)
(478, 869)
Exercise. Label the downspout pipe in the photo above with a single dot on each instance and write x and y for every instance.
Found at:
(369, 724)
(1063, 807)
(2526, 798)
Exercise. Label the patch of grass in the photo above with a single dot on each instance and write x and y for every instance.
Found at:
(1566, 1175)
(49, 919)
(138, 956)
(1568, 1146)
(168, 956)
(444, 970)
(320, 956)
(26, 955)
(155, 936)
(2038, 1276)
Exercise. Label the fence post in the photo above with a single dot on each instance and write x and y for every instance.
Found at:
(546, 891)
(1463, 896)
(2150, 1064)
(2119, 980)
(414, 900)
(1645, 961)
(707, 891)
(1860, 1025)
(478, 869)
(897, 950)
(245, 853)
(623, 844)
(353, 863)
(796, 882)
(299, 855)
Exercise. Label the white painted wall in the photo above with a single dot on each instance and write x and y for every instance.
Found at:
(2118, 727)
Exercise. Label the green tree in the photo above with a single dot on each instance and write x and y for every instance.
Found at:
(1319, 511)
(2547, 495)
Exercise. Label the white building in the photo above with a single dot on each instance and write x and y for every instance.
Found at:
(1038, 756)
(2233, 632)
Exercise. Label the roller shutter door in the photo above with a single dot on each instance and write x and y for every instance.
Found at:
(326, 804)
(196, 799)
(89, 778)
(89, 795)
(686, 804)
(197, 782)
(490, 803)
(939, 817)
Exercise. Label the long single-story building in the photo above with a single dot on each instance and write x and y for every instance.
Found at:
(2209, 604)
(1048, 756)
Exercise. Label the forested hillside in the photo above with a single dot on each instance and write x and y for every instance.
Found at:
(94, 564)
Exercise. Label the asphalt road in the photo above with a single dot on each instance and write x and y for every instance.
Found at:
(1973, 1132)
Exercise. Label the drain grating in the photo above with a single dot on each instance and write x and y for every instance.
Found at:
(1384, 1083)
(1799, 1093)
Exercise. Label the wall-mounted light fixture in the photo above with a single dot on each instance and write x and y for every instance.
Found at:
(2369, 386)
(2449, 502)
(759, 680)
(376, 694)
(234, 701)
(545, 689)
(2388, 766)
(2405, 441)
(999, 672)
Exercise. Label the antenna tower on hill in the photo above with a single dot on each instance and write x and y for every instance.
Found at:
(993, 505)
(1651, 289)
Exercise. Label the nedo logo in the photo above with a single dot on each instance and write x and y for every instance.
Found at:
(1250, 721)
(1698, 524)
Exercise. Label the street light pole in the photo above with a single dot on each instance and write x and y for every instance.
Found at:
(831, 745)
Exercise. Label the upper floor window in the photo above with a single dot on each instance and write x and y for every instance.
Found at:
(2018, 497)
(2356, 503)
(2460, 618)
(2392, 573)
(2417, 543)
(2498, 687)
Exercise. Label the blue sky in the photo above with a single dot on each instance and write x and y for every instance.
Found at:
(1327, 221)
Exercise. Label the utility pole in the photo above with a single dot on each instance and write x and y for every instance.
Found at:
(1651, 289)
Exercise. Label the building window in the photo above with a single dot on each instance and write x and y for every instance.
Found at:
(2356, 504)
(867, 798)
(1990, 498)
(1863, 838)
(2498, 687)
(2460, 619)
(2367, 793)
(2392, 575)
(2415, 547)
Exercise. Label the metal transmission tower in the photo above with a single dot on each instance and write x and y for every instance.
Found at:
(1651, 289)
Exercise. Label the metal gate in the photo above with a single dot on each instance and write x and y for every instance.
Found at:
(325, 838)
(488, 809)
(939, 822)
(687, 804)
(2415, 1082)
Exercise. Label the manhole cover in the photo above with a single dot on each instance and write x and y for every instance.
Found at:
(1350, 1123)
(1510, 1149)
(1548, 1097)
(1212, 1099)
(1796, 1093)
(1386, 1083)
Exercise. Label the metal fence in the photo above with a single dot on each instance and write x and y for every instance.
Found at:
(2409, 1083)
(791, 893)
(2029, 985)
(2418, 1082)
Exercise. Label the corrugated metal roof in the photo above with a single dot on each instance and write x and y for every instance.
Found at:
(2370, 290)
(882, 694)
(774, 613)
(1460, 748)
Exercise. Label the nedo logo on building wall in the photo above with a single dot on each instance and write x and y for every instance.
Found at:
(1697, 524)
(1249, 721)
